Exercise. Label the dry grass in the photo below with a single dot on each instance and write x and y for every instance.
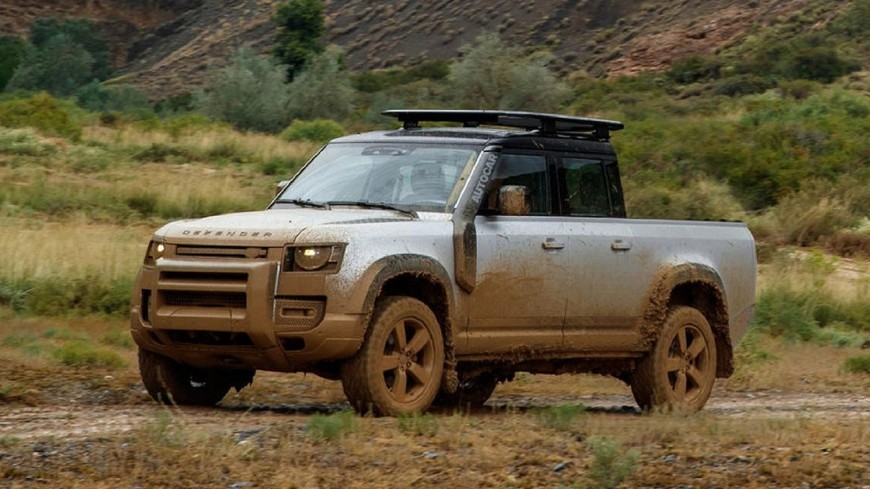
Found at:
(33, 249)
(205, 141)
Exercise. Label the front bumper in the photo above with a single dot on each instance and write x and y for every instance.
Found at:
(225, 314)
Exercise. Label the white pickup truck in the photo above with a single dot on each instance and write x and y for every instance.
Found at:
(426, 264)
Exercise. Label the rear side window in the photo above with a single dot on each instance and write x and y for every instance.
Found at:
(586, 188)
(529, 171)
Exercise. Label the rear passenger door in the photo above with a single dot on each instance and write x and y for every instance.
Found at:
(599, 316)
(519, 300)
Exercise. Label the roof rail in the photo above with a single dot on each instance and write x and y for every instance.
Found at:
(530, 121)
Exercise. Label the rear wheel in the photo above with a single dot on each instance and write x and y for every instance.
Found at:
(399, 366)
(679, 372)
(170, 382)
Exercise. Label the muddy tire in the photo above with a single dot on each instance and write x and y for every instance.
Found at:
(398, 369)
(170, 382)
(471, 393)
(679, 372)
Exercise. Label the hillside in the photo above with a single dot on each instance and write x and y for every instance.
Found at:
(165, 46)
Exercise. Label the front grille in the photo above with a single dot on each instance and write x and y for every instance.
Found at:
(250, 252)
(183, 298)
(210, 338)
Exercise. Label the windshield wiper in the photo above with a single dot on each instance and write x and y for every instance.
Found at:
(303, 203)
(374, 205)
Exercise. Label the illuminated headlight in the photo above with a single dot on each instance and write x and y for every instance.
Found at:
(314, 258)
(155, 251)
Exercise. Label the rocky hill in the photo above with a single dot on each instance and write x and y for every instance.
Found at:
(165, 46)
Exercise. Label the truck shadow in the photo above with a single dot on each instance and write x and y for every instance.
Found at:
(495, 408)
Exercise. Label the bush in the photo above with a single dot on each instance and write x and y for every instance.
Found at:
(701, 199)
(492, 75)
(323, 90)
(610, 464)
(58, 296)
(81, 354)
(43, 113)
(24, 142)
(810, 316)
(858, 365)
(562, 417)
(318, 131)
(742, 85)
(695, 69)
(331, 427)
(812, 214)
(60, 67)
(12, 52)
(300, 33)
(249, 93)
(118, 98)
(417, 424)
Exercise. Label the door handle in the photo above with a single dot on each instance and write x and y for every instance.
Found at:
(552, 244)
(620, 245)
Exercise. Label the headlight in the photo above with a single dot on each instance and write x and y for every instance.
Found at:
(155, 251)
(313, 258)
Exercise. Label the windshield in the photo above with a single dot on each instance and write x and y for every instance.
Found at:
(411, 176)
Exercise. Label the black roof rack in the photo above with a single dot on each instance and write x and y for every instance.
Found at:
(530, 121)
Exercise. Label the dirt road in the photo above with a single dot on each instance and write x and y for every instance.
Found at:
(78, 421)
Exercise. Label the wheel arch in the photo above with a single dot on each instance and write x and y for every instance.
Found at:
(426, 280)
(694, 285)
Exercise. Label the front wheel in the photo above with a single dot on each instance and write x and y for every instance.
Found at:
(679, 372)
(170, 382)
(399, 366)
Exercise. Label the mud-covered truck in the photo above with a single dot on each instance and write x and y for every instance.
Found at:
(429, 263)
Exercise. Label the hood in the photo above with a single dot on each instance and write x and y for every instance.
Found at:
(274, 225)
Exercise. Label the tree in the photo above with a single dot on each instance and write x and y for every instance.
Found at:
(12, 52)
(494, 75)
(300, 35)
(323, 90)
(79, 31)
(249, 93)
(60, 66)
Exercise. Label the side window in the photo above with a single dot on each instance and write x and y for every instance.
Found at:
(529, 171)
(615, 190)
(586, 188)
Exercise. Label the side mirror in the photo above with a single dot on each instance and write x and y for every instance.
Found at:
(280, 186)
(514, 200)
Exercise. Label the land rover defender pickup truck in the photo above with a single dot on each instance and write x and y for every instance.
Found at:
(424, 265)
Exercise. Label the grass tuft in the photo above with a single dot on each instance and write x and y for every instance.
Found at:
(417, 424)
(328, 428)
(858, 365)
(610, 464)
(81, 354)
(563, 417)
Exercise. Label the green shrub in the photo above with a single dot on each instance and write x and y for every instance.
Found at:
(417, 424)
(59, 296)
(118, 338)
(81, 354)
(701, 199)
(114, 98)
(741, 85)
(24, 142)
(811, 316)
(162, 153)
(65, 334)
(83, 32)
(331, 427)
(43, 113)
(610, 464)
(493, 75)
(859, 364)
(563, 417)
(695, 69)
(301, 25)
(12, 52)
(318, 131)
(323, 90)
(250, 93)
